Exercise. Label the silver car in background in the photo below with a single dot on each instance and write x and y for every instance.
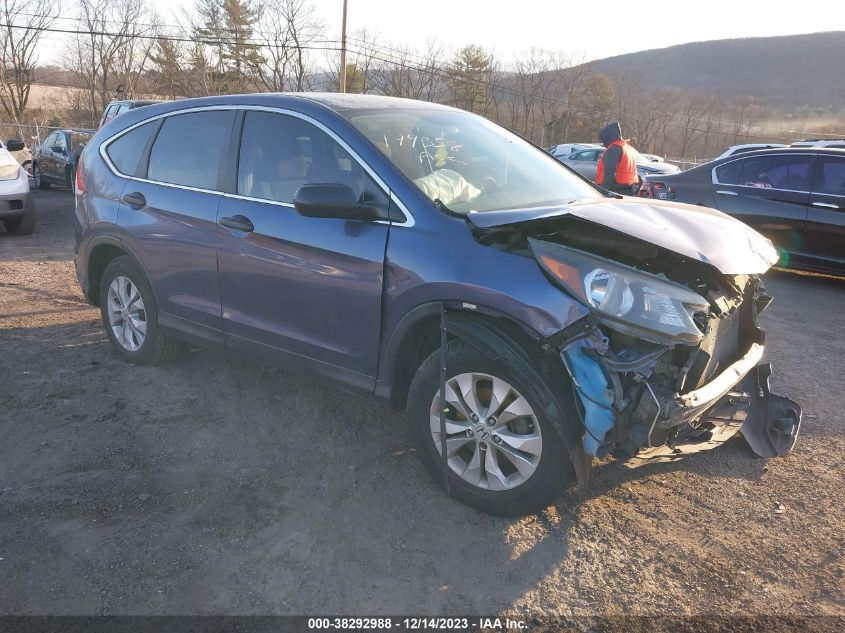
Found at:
(17, 207)
(586, 162)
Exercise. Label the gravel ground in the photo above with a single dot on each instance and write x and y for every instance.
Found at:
(216, 486)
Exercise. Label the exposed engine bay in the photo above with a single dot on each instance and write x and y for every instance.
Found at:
(667, 363)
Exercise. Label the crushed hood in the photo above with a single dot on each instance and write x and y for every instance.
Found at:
(697, 232)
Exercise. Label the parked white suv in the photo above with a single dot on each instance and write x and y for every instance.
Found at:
(747, 147)
(831, 143)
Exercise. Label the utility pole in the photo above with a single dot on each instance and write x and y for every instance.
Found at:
(343, 51)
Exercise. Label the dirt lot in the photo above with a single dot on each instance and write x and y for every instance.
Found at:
(213, 485)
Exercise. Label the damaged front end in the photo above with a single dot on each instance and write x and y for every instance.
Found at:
(663, 369)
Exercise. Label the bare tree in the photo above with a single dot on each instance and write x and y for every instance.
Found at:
(412, 75)
(279, 49)
(744, 116)
(530, 75)
(25, 22)
(571, 80)
(362, 61)
(110, 55)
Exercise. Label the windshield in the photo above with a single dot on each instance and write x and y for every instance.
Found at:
(467, 163)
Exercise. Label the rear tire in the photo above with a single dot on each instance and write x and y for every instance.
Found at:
(22, 225)
(130, 315)
(518, 494)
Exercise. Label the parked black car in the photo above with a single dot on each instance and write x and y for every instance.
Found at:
(56, 158)
(115, 108)
(794, 196)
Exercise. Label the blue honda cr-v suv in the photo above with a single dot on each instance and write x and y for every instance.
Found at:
(525, 319)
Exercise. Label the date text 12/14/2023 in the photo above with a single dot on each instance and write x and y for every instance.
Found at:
(421, 623)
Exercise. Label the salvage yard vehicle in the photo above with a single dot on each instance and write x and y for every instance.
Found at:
(17, 207)
(56, 158)
(376, 241)
(116, 108)
(794, 196)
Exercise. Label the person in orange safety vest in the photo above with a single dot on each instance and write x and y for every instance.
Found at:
(617, 168)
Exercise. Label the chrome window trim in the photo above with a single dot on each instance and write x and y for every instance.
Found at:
(745, 156)
(409, 218)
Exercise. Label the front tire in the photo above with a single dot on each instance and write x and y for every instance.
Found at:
(505, 457)
(22, 225)
(130, 315)
(38, 177)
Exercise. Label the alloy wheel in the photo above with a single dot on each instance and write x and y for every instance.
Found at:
(127, 315)
(493, 438)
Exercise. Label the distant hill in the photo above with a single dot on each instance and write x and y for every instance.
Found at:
(788, 71)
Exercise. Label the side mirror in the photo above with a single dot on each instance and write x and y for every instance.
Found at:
(334, 201)
(14, 145)
(57, 149)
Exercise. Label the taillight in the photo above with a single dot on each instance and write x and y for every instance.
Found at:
(79, 182)
(656, 189)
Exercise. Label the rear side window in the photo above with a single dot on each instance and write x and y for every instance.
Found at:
(125, 152)
(189, 148)
(832, 176)
(768, 172)
(109, 115)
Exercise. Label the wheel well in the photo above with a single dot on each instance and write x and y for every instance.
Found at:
(418, 344)
(423, 339)
(100, 257)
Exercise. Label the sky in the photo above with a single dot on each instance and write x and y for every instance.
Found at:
(598, 29)
(594, 29)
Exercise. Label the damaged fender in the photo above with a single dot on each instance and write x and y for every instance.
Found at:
(555, 399)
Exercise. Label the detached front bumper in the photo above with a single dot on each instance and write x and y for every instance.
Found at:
(737, 400)
(625, 412)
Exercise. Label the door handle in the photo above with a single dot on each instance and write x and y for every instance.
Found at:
(136, 200)
(238, 223)
(826, 205)
(725, 192)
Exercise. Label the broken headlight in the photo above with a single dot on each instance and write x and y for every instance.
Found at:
(626, 299)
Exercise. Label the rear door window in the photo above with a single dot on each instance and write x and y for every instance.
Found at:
(125, 152)
(189, 149)
(831, 180)
(791, 173)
